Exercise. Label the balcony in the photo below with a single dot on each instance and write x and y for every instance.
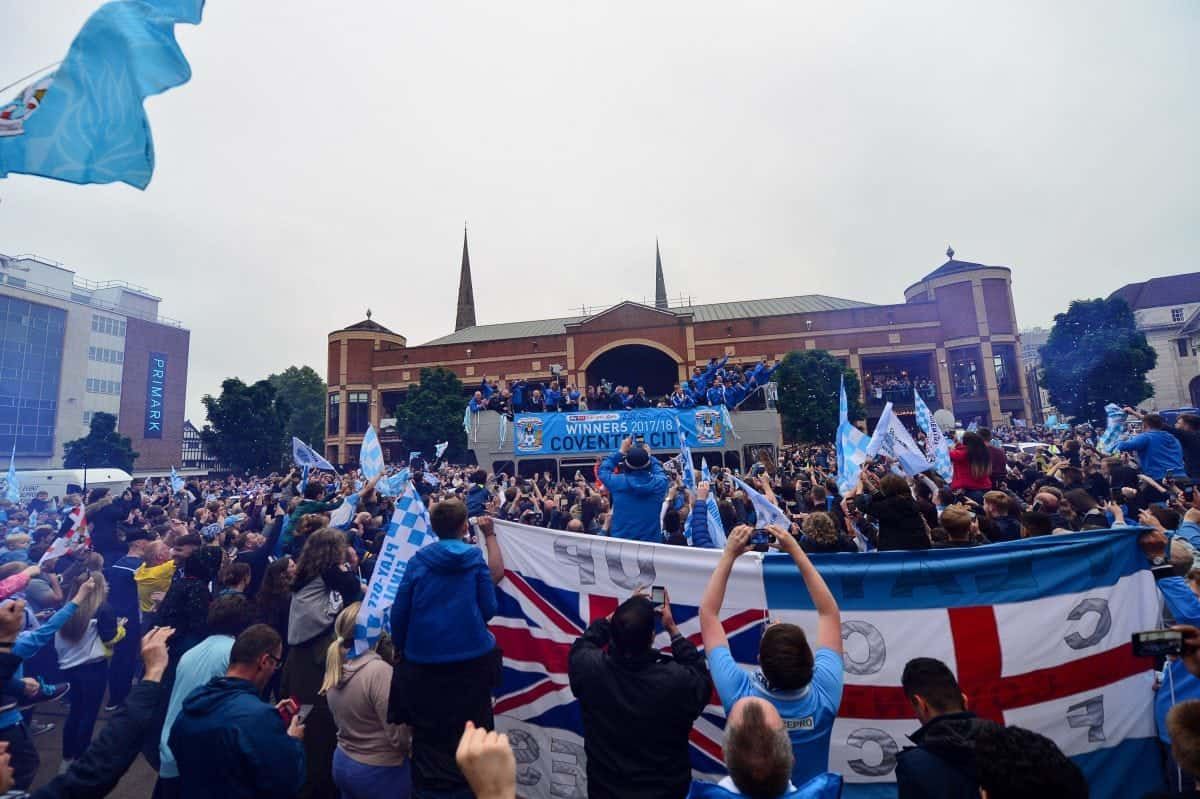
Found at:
(900, 393)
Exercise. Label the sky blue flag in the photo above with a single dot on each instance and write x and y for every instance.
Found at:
(12, 488)
(705, 474)
(370, 454)
(440, 449)
(1116, 426)
(412, 456)
(712, 514)
(892, 439)
(765, 511)
(851, 447)
(85, 123)
(685, 458)
(937, 448)
(408, 531)
(304, 455)
(467, 421)
(176, 482)
(728, 420)
(503, 430)
(393, 486)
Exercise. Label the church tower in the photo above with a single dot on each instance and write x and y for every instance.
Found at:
(466, 294)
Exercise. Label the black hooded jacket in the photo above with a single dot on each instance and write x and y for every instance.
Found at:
(942, 764)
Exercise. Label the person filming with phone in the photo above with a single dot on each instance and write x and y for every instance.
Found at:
(638, 704)
(803, 686)
(637, 490)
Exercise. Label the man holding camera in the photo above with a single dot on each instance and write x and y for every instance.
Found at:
(638, 705)
(637, 490)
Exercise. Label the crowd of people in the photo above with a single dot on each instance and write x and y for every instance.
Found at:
(215, 622)
(897, 387)
(719, 383)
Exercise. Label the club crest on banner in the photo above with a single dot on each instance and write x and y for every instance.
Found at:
(709, 426)
(529, 435)
(14, 114)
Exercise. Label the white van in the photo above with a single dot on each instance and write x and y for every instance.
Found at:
(60, 482)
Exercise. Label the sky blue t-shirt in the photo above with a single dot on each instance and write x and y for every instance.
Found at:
(808, 713)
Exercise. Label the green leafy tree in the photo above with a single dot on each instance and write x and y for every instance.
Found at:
(808, 383)
(432, 412)
(304, 391)
(1095, 355)
(246, 425)
(102, 446)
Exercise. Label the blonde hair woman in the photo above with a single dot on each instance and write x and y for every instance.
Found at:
(84, 645)
(371, 757)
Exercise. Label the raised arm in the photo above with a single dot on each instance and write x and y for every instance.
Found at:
(711, 631)
(494, 557)
(829, 618)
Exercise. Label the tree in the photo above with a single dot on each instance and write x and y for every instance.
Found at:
(433, 412)
(246, 425)
(808, 383)
(305, 392)
(1095, 355)
(102, 446)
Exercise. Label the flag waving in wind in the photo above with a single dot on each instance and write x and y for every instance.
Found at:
(851, 446)
(304, 455)
(1112, 433)
(937, 449)
(892, 439)
(370, 454)
(176, 482)
(685, 458)
(85, 123)
(765, 511)
(440, 449)
(12, 488)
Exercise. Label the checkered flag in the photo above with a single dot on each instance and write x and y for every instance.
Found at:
(407, 532)
(936, 446)
(370, 454)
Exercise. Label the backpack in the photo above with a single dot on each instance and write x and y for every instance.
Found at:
(313, 611)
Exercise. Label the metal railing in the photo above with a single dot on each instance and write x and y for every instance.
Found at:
(92, 302)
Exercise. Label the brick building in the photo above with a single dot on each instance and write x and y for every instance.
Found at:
(955, 332)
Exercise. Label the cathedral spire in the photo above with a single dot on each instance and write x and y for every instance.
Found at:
(660, 285)
(466, 294)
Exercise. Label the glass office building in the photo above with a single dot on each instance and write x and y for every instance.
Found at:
(31, 353)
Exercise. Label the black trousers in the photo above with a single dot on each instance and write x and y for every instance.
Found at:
(23, 756)
(124, 663)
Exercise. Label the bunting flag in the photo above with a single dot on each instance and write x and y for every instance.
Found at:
(851, 446)
(440, 449)
(304, 455)
(85, 123)
(408, 531)
(765, 511)
(176, 482)
(1071, 677)
(370, 454)
(892, 439)
(937, 449)
(1114, 430)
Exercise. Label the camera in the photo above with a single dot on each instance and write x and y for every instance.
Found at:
(658, 595)
(761, 540)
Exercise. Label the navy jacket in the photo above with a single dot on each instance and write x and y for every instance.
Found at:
(229, 744)
(942, 764)
(477, 499)
(443, 604)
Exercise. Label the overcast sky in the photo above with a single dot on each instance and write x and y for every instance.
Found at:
(325, 155)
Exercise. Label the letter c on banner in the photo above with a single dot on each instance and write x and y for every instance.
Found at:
(1103, 624)
(887, 747)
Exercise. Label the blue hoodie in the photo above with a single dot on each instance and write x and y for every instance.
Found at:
(1158, 453)
(477, 500)
(229, 744)
(637, 498)
(443, 604)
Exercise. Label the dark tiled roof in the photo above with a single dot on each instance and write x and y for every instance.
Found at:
(367, 324)
(1158, 292)
(952, 267)
(715, 312)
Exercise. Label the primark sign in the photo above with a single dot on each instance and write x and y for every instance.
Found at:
(156, 387)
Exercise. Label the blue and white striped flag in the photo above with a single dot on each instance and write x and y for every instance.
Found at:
(765, 511)
(1116, 427)
(408, 531)
(851, 446)
(12, 488)
(370, 454)
(176, 482)
(937, 449)
(440, 449)
(304, 455)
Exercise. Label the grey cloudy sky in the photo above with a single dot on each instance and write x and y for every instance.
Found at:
(324, 156)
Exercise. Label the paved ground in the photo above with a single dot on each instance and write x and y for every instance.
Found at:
(138, 782)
